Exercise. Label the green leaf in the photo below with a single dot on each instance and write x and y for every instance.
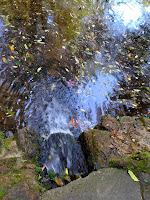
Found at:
(133, 176)
(10, 112)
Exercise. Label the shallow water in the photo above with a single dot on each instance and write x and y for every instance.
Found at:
(66, 63)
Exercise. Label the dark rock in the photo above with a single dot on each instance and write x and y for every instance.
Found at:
(95, 146)
(105, 184)
(9, 134)
(28, 141)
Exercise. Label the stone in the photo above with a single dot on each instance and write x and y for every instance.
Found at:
(96, 146)
(28, 141)
(105, 184)
(110, 123)
(22, 192)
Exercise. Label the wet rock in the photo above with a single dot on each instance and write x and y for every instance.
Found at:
(9, 134)
(22, 191)
(105, 184)
(96, 148)
(101, 146)
(28, 141)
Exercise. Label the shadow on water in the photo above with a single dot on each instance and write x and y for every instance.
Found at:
(66, 63)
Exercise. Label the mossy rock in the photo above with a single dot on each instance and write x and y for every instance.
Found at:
(28, 142)
(139, 161)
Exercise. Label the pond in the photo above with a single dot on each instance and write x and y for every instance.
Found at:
(64, 64)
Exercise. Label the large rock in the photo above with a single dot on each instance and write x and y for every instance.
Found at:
(114, 139)
(105, 184)
(96, 146)
(28, 141)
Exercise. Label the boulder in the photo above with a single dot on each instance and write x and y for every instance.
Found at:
(28, 142)
(105, 184)
(115, 140)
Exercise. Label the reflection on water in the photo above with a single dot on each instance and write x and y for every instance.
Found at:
(69, 62)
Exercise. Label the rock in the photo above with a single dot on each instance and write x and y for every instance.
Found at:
(28, 141)
(30, 166)
(105, 184)
(9, 134)
(145, 184)
(110, 123)
(96, 146)
(22, 191)
(101, 146)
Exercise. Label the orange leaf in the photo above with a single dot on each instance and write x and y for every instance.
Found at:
(12, 48)
(58, 181)
(4, 60)
(120, 137)
(43, 168)
(72, 122)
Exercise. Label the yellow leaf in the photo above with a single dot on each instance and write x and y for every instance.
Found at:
(143, 83)
(12, 48)
(57, 180)
(121, 89)
(66, 171)
(12, 57)
(82, 110)
(43, 168)
(39, 69)
(98, 52)
(132, 175)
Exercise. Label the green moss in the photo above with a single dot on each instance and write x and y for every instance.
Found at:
(3, 193)
(139, 161)
(2, 135)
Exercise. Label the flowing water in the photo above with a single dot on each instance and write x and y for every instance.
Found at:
(64, 64)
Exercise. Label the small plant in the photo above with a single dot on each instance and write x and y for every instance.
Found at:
(51, 174)
(39, 173)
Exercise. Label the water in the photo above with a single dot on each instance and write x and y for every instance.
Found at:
(65, 64)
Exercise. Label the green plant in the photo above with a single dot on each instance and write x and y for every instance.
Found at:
(51, 174)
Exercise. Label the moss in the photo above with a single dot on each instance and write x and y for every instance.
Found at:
(139, 161)
(3, 193)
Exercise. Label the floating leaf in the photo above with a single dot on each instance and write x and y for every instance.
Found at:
(4, 60)
(39, 69)
(26, 47)
(133, 176)
(10, 112)
(73, 123)
(12, 48)
(82, 110)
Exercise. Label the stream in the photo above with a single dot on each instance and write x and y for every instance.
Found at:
(64, 64)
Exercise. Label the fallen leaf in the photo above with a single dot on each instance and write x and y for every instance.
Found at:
(132, 175)
(82, 110)
(57, 180)
(39, 69)
(73, 123)
(12, 48)
(66, 170)
(121, 137)
(4, 60)
(43, 168)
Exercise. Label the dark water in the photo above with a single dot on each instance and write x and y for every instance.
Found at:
(66, 63)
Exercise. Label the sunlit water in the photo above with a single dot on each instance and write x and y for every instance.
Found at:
(66, 64)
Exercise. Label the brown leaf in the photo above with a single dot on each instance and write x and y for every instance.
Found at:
(121, 137)
(43, 168)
